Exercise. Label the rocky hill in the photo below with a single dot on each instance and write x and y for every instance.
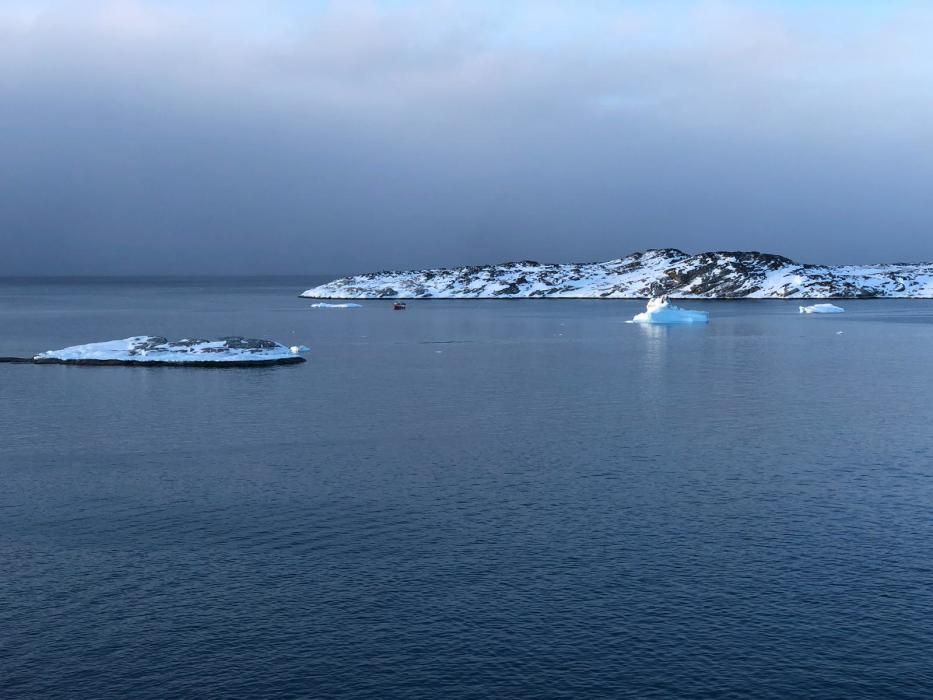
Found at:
(715, 275)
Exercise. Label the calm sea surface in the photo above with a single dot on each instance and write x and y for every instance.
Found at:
(466, 500)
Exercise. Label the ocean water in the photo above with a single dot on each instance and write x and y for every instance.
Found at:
(468, 499)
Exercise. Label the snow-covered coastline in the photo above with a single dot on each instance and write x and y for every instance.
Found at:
(671, 272)
(233, 351)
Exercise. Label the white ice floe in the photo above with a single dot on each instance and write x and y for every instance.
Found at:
(821, 309)
(152, 349)
(660, 310)
(325, 305)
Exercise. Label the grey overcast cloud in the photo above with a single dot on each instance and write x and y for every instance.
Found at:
(144, 137)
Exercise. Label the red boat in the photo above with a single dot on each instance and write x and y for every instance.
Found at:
(399, 306)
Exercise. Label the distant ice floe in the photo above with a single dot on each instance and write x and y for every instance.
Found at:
(661, 311)
(821, 309)
(325, 305)
(147, 349)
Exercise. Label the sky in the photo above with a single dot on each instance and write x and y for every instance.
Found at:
(339, 136)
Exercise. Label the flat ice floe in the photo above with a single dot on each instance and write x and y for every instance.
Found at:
(325, 305)
(153, 350)
(661, 311)
(821, 309)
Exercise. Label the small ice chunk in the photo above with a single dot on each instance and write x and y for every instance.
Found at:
(661, 311)
(295, 349)
(325, 305)
(821, 309)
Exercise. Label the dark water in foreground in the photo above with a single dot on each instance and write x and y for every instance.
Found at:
(466, 500)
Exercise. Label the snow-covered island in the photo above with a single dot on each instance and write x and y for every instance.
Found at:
(232, 351)
(670, 272)
(661, 311)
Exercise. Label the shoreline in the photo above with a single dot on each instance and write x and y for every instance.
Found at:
(213, 364)
(642, 298)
